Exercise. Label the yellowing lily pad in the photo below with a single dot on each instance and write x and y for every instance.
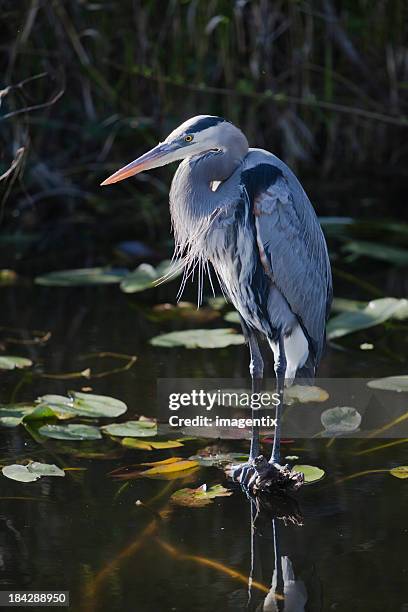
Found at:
(144, 445)
(310, 472)
(400, 471)
(177, 466)
(197, 498)
(163, 461)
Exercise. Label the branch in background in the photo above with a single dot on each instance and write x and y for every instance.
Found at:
(34, 107)
(14, 164)
(278, 98)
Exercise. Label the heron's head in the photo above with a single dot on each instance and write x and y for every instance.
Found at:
(196, 136)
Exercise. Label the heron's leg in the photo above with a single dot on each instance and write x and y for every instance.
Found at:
(244, 473)
(280, 371)
(256, 367)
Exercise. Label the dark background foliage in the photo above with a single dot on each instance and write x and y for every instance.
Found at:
(89, 85)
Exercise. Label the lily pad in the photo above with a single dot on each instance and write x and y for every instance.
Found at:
(70, 432)
(163, 461)
(199, 338)
(146, 275)
(210, 456)
(310, 472)
(390, 383)
(144, 445)
(233, 317)
(11, 415)
(304, 394)
(31, 472)
(374, 313)
(183, 310)
(82, 277)
(376, 250)
(400, 471)
(342, 419)
(197, 498)
(9, 362)
(176, 466)
(131, 429)
(84, 404)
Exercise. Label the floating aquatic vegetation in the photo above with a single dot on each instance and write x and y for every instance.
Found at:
(84, 404)
(390, 383)
(183, 310)
(74, 431)
(10, 362)
(342, 419)
(199, 338)
(375, 250)
(142, 428)
(197, 498)
(400, 471)
(375, 312)
(146, 275)
(31, 472)
(144, 445)
(310, 472)
(82, 277)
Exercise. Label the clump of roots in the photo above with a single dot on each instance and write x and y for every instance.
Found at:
(259, 476)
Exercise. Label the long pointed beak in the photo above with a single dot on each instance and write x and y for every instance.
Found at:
(158, 156)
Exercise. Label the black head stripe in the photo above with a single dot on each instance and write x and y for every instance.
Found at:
(204, 123)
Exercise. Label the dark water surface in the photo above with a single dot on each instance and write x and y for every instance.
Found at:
(85, 534)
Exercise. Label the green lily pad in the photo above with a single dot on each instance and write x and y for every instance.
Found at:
(131, 429)
(376, 250)
(84, 404)
(342, 419)
(346, 305)
(374, 313)
(199, 338)
(97, 405)
(197, 498)
(146, 275)
(390, 383)
(31, 472)
(9, 362)
(218, 459)
(82, 277)
(11, 415)
(400, 472)
(233, 317)
(70, 432)
(310, 472)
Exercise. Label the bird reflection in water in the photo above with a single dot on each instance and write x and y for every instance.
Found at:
(286, 594)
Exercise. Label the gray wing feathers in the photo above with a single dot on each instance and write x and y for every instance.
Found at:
(295, 247)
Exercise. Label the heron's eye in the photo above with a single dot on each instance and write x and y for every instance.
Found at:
(188, 138)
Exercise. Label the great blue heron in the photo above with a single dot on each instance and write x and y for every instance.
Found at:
(243, 210)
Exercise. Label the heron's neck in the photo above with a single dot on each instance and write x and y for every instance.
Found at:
(191, 196)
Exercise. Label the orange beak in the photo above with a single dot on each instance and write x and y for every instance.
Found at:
(158, 156)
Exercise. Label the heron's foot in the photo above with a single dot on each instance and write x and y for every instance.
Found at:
(258, 475)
